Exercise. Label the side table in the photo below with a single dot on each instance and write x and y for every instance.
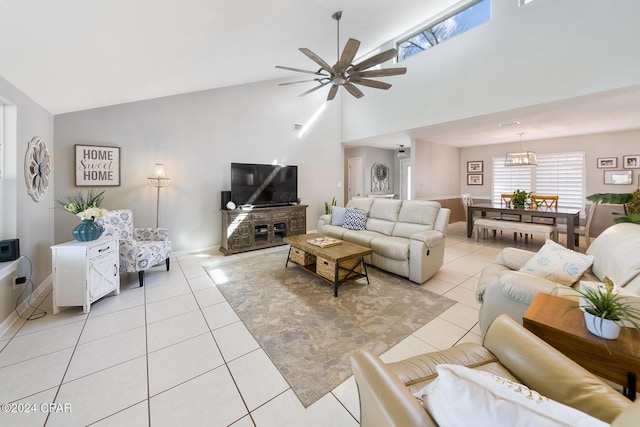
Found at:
(616, 360)
(84, 272)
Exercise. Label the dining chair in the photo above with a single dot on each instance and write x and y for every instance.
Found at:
(580, 230)
(548, 202)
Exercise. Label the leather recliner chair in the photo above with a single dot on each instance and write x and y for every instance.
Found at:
(509, 351)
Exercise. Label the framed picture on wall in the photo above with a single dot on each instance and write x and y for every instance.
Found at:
(475, 179)
(631, 162)
(475, 166)
(607, 162)
(97, 166)
(618, 177)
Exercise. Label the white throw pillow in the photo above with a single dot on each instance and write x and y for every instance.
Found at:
(355, 219)
(558, 264)
(462, 397)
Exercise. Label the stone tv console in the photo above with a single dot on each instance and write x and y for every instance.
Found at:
(246, 230)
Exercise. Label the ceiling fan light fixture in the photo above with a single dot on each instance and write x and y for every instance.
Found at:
(344, 73)
(402, 152)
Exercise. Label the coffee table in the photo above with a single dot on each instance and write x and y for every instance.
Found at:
(335, 264)
(616, 360)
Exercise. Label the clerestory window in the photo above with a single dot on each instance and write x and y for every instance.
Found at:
(460, 21)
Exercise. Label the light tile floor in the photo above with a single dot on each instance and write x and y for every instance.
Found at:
(175, 353)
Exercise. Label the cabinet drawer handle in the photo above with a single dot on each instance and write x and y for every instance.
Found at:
(115, 269)
(104, 249)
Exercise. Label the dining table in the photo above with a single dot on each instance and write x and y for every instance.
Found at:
(570, 215)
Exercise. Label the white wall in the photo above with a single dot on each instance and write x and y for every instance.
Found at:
(197, 136)
(542, 52)
(32, 221)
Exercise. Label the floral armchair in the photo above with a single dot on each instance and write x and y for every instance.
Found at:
(140, 248)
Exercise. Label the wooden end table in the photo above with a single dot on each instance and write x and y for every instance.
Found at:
(616, 360)
(347, 259)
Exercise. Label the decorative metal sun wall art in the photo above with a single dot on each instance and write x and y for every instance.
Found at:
(380, 178)
(37, 168)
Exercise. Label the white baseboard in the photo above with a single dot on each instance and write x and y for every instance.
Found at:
(13, 317)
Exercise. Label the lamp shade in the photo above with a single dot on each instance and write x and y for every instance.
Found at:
(523, 159)
(158, 179)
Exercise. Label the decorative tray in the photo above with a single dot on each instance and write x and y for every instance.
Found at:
(325, 242)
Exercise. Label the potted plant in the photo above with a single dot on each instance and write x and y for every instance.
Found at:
(327, 206)
(605, 310)
(520, 199)
(87, 208)
(629, 201)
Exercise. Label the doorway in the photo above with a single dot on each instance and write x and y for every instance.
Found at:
(354, 177)
(405, 179)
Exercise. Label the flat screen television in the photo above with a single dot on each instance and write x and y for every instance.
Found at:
(263, 185)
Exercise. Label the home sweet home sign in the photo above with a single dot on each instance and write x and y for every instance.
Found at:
(97, 165)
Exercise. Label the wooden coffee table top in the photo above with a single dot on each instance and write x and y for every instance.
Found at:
(343, 252)
(610, 359)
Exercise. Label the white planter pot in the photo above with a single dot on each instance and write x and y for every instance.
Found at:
(604, 328)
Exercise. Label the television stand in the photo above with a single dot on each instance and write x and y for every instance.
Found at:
(247, 230)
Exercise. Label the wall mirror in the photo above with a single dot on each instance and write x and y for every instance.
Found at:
(618, 177)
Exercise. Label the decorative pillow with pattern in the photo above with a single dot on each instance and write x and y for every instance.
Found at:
(558, 264)
(355, 219)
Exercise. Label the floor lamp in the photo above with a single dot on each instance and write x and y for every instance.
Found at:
(158, 180)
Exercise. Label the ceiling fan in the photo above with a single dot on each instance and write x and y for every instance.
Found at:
(344, 73)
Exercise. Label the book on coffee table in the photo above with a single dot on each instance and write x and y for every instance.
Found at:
(325, 242)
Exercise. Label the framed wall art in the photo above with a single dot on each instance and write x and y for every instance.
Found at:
(607, 162)
(475, 166)
(618, 177)
(97, 166)
(631, 162)
(475, 179)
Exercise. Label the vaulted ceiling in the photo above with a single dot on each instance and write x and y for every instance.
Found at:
(71, 55)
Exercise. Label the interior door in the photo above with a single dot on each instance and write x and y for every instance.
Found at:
(405, 179)
(354, 178)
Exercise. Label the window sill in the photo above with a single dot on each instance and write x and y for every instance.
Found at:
(6, 268)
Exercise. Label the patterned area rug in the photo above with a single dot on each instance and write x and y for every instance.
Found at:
(308, 333)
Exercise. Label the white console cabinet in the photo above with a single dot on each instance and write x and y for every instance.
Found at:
(84, 272)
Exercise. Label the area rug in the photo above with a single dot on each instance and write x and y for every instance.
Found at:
(307, 332)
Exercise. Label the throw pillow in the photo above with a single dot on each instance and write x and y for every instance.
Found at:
(460, 396)
(337, 215)
(355, 219)
(558, 264)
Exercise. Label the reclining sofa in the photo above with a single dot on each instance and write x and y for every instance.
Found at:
(406, 236)
(502, 288)
(509, 351)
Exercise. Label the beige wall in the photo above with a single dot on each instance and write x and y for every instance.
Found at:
(615, 144)
(434, 171)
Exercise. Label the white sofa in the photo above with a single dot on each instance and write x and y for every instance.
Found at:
(406, 236)
(504, 289)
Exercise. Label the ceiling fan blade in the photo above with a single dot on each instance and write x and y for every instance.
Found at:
(315, 58)
(315, 88)
(374, 60)
(353, 90)
(371, 83)
(349, 52)
(384, 72)
(332, 92)
(300, 70)
(299, 81)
